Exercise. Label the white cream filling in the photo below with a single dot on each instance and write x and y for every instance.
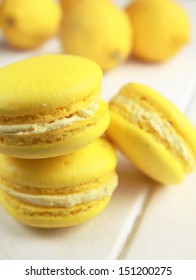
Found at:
(66, 200)
(139, 114)
(24, 129)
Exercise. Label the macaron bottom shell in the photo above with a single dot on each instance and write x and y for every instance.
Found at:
(51, 217)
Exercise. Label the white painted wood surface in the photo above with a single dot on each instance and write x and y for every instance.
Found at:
(112, 234)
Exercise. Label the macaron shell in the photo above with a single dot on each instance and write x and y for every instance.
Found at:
(51, 217)
(144, 151)
(46, 82)
(77, 137)
(83, 166)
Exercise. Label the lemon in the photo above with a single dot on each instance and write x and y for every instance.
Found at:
(161, 29)
(98, 30)
(28, 23)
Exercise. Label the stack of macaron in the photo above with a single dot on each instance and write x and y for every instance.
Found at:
(56, 170)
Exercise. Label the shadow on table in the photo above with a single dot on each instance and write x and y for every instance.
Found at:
(131, 177)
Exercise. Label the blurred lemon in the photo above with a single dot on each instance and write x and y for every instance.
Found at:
(28, 23)
(97, 30)
(161, 28)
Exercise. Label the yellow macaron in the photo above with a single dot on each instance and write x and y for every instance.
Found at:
(50, 105)
(152, 133)
(60, 191)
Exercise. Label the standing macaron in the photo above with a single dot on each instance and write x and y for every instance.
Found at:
(50, 105)
(60, 191)
(152, 133)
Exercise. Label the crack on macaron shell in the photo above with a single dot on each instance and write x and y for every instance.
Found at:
(58, 135)
(98, 192)
(154, 123)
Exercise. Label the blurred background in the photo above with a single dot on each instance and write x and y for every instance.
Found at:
(109, 32)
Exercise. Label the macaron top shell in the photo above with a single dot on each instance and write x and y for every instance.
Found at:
(85, 165)
(40, 84)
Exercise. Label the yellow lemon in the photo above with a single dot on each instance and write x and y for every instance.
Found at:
(161, 29)
(0, 20)
(28, 23)
(97, 30)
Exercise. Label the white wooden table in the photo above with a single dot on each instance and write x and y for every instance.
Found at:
(142, 221)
